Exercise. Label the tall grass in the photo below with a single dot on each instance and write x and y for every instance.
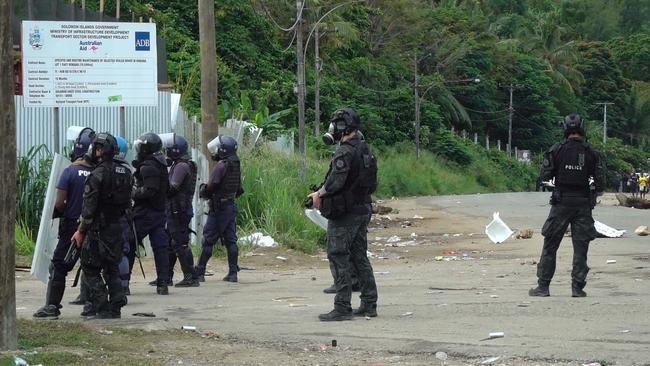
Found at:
(32, 175)
(24, 239)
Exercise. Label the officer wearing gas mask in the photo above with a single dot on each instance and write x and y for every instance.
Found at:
(344, 199)
(107, 195)
(69, 198)
(150, 199)
(182, 184)
(572, 163)
(223, 187)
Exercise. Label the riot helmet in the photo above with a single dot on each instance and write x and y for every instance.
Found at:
(107, 143)
(146, 145)
(573, 124)
(222, 147)
(123, 148)
(175, 145)
(342, 122)
(83, 137)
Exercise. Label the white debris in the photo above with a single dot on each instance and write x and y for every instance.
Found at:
(414, 235)
(642, 231)
(607, 231)
(281, 258)
(442, 356)
(418, 217)
(259, 239)
(611, 261)
(490, 360)
(393, 239)
(496, 335)
(408, 313)
(497, 230)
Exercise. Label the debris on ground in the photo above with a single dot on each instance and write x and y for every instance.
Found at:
(488, 361)
(611, 261)
(635, 202)
(259, 240)
(189, 328)
(494, 335)
(607, 231)
(146, 315)
(525, 234)
(105, 332)
(383, 273)
(497, 230)
(393, 239)
(281, 258)
(592, 364)
(442, 356)
(642, 231)
(417, 217)
(408, 313)
(381, 210)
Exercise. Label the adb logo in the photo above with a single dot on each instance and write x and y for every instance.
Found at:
(142, 41)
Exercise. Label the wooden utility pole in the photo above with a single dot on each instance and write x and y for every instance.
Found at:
(605, 104)
(101, 10)
(301, 92)
(8, 335)
(416, 92)
(208, 44)
(117, 10)
(318, 65)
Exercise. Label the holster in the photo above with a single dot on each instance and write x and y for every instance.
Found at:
(556, 197)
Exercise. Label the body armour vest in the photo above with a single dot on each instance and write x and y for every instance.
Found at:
(153, 174)
(115, 196)
(183, 199)
(230, 184)
(575, 164)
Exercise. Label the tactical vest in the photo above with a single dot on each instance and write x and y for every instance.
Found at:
(183, 199)
(227, 190)
(574, 166)
(366, 180)
(115, 195)
(157, 202)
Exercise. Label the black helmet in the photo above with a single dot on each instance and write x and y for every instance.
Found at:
(82, 143)
(147, 145)
(175, 145)
(573, 124)
(222, 147)
(109, 146)
(342, 122)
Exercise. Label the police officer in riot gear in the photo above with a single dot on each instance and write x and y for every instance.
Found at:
(125, 222)
(150, 198)
(107, 195)
(69, 198)
(572, 163)
(223, 187)
(182, 184)
(344, 199)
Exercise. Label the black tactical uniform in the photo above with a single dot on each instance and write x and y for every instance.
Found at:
(572, 163)
(346, 203)
(107, 195)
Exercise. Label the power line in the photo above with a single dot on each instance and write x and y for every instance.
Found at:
(266, 10)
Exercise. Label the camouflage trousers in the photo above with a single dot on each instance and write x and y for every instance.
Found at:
(577, 213)
(347, 247)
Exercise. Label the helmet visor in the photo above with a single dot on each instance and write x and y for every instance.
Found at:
(214, 145)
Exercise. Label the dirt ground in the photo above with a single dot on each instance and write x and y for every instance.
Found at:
(443, 287)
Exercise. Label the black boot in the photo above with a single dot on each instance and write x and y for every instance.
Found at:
(330, 290)
(188, 281)
(89, 309)
(52, 301)
(577, 292)
(231, 277)
(48, 312)
(364, 309)
(161, 288)
(199, 273)
(170, 282)
(540, 291)
(335, 315)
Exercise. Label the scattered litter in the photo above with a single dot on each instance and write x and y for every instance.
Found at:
(323, 346)
(20, 362)
(313, 278)
(442, 356)
(624, 331)
(260, 240)
(281, 258)
(406, 224)
(497, 230)
(369, 254)
(445, 235)
(611, 261)
(438, 258)
(417, 217)
(642, 231)
(408, 313)
(592, 364)
(393, 239)
(297, 305)
(497, 335)
(494, 296)
(190, 328)
(21, 308)
(383, 273)
(368, 318)
(251, 254)
(146, 315)
(414, 235)
(607, 231)
(488, 361)
(457, 235)
(525, 234)
(105, 332)
(334, 343)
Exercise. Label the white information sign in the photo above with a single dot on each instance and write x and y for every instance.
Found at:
(89, 64)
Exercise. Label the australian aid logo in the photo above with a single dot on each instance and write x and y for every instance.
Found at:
(142, 41)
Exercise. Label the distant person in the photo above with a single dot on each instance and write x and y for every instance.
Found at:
(571, 162)
(223, 187)
(643, 185)
(634, 184)
(625, 179)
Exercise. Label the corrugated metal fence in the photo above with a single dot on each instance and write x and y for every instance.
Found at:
(35, 125)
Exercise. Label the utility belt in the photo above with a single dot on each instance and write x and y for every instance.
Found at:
(572, 197)
(217, 204)
(335, 206)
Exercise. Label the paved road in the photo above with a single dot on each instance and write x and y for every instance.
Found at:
(428, 305)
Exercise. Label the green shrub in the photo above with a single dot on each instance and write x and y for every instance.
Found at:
(32, 176)
(453, 148)
(24, 239)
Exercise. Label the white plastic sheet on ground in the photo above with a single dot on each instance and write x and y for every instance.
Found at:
(497, 230)
(607, 231)
(260, 240)
(316, 218)
(49, 228)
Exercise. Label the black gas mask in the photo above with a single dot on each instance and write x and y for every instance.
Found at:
(334, 133)
(342, 122)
